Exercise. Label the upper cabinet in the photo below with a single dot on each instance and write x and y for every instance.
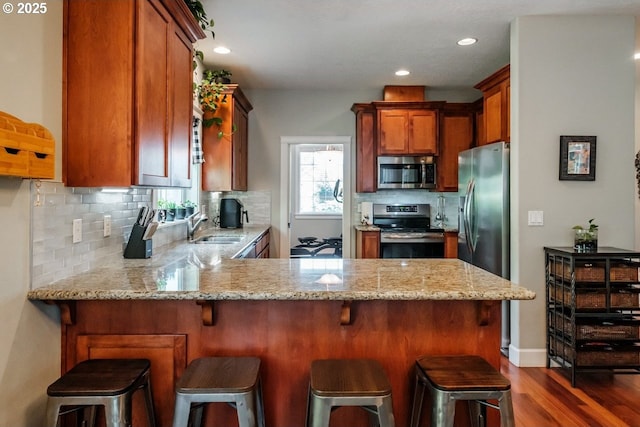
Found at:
(127, 92)
(407, 128)
(366, 152)
(457, 135)
(225, 147)
(496, 90)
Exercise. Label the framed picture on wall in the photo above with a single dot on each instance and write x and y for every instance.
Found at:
(577, 158)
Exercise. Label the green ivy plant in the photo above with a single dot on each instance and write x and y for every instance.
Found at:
(198, 12)
(210, 96)
(592, 226)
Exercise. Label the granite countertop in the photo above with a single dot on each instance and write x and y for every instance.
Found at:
(187, 271)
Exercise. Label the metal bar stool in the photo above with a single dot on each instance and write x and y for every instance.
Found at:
(232, 380)
(452, 378)
(349, 382)
(107, 382)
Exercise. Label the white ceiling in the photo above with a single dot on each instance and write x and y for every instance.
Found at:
(358, 44)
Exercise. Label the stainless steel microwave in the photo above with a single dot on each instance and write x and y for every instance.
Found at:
(406, 172)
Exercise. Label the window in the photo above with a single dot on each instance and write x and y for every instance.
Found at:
(181, 195)
(318, 186)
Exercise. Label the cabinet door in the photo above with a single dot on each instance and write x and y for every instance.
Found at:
(98, 93)
(457, 135)
(366, 173)
(423, 132)
(407, 132)
(240, 153)
(493, 112)
(168, 356)
(451, 244)
(392, 132)
(181, 108)
(368, 244)
(152, 94)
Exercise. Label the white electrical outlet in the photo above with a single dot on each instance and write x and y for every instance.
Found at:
(77, 230)
(107, 226)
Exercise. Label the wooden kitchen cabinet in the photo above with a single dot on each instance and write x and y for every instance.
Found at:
(225, 166)
(451, 244)
(496, 90)
(407, 131)
(367, 244)
(127, 98)
(366, 152)
(457, 135)
(166, 352)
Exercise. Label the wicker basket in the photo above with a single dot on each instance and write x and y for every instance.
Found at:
(590, 272)
(607, 332)
(608, 356)
(595, 299)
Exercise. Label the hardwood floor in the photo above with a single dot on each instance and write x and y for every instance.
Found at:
(544, 398)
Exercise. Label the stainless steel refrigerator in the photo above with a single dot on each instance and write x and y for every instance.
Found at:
(483, 214)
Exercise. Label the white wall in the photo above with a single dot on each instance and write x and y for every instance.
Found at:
(569, 76)
(31, 88)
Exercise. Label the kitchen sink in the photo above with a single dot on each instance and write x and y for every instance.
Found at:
(220, 240)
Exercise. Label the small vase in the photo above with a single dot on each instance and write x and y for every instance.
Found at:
(585, 240)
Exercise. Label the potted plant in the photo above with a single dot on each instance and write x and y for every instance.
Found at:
(189, 206)
(171, 210)
(221, 76)
(162, 210)
(198, 12)
(586, 239)
(181, 212)
(210, 96)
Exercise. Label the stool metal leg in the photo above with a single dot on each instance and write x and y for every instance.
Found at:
(477, 413)
(507, 418)
(117, 411)
(260, 404)
(418, 398)
(148, 397)
(444, 409)
(53, 408)
(385, 413)
(246, 409)
(181, 411)
(319, 412)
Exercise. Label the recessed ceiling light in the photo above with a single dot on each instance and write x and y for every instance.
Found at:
(402, 73)
(467, 41)
(222, 50)
(636, 56)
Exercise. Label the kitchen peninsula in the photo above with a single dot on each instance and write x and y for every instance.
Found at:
(186, 302)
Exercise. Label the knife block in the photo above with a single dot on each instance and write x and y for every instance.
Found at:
(136, 247)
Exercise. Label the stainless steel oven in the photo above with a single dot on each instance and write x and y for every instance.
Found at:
(405, 231)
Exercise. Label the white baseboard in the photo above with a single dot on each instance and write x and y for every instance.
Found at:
(528, 358)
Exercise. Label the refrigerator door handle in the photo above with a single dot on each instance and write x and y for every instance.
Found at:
(467, 216)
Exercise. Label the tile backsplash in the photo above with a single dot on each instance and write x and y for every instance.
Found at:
(55, 256)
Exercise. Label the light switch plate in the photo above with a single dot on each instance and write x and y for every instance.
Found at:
(536, 218)
(77, 230)
(107, 226)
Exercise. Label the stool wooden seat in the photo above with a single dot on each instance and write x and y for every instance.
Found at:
(107, 382)
(348, 382)
(460, 377)
(233, 380)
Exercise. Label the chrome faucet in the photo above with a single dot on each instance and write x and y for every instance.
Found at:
(193, 223)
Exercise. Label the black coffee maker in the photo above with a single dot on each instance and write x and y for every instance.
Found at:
(232, 213)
